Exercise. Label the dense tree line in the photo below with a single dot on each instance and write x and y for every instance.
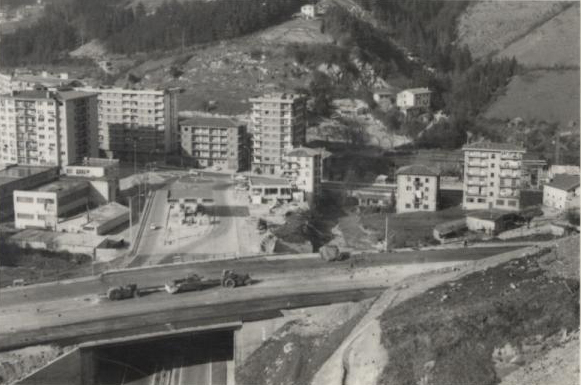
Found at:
(69, 23)
(427, 28)
(368, 44)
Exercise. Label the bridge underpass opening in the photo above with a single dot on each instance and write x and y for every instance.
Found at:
(192, 358)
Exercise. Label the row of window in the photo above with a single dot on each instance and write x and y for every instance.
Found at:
(31, 200)
(31, 216)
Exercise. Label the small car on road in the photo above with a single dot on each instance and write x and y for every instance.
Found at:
(153, 226)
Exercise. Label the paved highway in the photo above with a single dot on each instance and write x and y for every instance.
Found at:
(74, 313)
(259, 268)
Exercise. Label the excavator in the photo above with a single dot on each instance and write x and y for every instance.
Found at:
(123, 292)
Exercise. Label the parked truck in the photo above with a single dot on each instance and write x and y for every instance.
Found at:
(229, 279)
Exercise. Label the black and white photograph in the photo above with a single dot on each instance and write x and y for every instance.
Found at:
(289, 192)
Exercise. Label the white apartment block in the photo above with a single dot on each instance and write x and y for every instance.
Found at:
(30, 81)
(41, 208)
(278, 124)
(48, 128)
(492, 176)
(303, 167)
(417, 189)
(215, 141)
(136, 121)
(414, 98)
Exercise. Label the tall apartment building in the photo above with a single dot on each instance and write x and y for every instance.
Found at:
(278, 125)
(492, 176)
(214, 141)
(140, 121)
(48, 128)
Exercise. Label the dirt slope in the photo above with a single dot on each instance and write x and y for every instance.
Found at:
(488, 324)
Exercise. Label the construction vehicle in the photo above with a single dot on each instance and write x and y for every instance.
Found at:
(123, 292)
(193, 282)
(231, 279)
(331, 253)
(190, 283)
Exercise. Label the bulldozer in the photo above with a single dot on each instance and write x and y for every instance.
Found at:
(123, 292)
(190, 283)
(231, 279)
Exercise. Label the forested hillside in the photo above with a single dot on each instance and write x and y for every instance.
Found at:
(68, 24)
(462, 87)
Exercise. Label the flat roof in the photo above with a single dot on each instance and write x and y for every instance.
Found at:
(418, 90)
(491, 146)
(70, 95)
(63, 185)
(417, 169)
(59, 239)
(107, 212)
(210, 121)
(12, 173)
(261, 181)
(95, 162)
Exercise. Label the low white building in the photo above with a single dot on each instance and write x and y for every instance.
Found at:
(269, 190)
(385, 97)
(309, 11)
(41, 208)
(350, 108)
(413, 98)
(562, 193)
(102, 174)
(98, 221)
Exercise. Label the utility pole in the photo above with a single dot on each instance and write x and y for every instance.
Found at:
(134, 156)
(386, 231)
(131, 220)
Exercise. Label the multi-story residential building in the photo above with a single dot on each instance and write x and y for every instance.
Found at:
(132, 122)
(492, 176)
(417, 189)
(278, 125)
(562, 193)
(48, 128)
(214, 141)
(414, 98)
(41, 208)
(303, 167)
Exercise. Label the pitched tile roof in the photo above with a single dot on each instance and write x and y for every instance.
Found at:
(565, 182)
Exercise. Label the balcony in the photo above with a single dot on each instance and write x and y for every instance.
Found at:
(510, 156)
(476, 193)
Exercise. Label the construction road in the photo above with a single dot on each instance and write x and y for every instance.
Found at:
(74, 312)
